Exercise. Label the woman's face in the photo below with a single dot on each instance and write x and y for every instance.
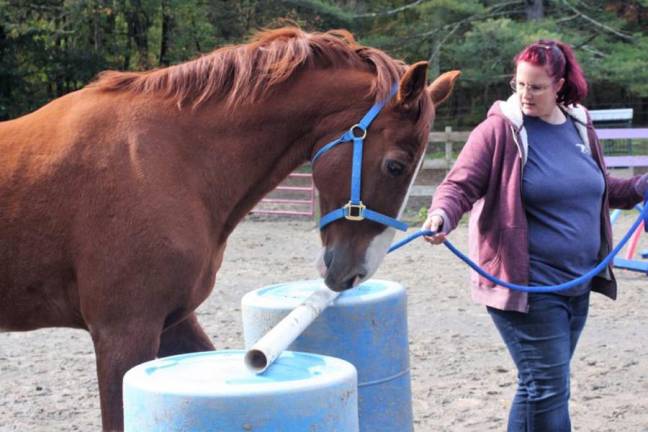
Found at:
(536, 89)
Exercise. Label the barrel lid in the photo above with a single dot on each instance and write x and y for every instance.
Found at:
(291, 294)
(223, 373)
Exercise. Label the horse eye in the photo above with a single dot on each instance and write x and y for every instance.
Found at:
(395, 168)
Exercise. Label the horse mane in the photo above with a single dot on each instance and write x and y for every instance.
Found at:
(246, 72)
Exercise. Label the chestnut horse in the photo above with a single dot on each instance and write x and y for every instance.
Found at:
(117, 200)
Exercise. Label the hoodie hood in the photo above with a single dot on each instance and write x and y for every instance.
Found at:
(511, 111)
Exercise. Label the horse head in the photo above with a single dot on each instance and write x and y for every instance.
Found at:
(364, 188)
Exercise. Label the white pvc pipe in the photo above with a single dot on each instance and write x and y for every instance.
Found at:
(266, 350)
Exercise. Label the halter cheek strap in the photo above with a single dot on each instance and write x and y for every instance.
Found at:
(355, 210)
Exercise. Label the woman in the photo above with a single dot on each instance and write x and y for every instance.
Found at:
(533, 174)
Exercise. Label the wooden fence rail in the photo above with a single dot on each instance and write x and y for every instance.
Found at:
(450, 137)
(306, 204)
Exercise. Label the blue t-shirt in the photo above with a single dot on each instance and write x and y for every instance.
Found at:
(562, 191)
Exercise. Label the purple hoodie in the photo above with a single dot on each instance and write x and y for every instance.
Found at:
(487, 177)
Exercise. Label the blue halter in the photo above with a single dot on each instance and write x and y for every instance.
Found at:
(355, 210)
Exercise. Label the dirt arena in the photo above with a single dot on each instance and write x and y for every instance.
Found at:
(462, 377)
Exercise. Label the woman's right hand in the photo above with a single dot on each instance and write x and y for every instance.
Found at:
(434, 223)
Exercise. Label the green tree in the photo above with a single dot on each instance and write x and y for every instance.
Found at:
(51, 47)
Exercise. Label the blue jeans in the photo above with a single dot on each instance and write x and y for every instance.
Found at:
(541, 343)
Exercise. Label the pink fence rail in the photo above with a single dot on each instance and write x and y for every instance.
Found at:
(295, 196)
(624, 133)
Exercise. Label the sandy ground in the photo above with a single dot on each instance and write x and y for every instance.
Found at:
(462, 377)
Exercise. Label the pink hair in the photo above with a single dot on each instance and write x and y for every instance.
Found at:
(560, 62)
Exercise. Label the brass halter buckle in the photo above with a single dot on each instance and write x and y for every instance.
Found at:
(354, 212)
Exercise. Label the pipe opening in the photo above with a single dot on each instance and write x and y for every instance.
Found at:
(256, 360)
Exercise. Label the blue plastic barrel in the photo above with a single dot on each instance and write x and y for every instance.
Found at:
(366, 326)
(214, 391)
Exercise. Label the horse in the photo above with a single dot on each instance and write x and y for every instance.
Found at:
(117, 200)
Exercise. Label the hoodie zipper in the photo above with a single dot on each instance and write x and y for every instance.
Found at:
(520, 154)
(516, 138)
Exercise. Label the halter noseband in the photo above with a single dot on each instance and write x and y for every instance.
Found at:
(355, 210)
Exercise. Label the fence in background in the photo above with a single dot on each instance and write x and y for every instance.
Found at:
(453, 141)
(295, 196)
(616, 117)
(445, 146)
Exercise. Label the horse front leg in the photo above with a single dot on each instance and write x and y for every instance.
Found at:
(187, 336)
(118, 349)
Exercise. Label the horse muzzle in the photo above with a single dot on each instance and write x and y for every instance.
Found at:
(340, 270)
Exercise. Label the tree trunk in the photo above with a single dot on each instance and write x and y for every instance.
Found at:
(165, 38)
(534, 10)
(434, 66)
(138, 25)
(5, 75)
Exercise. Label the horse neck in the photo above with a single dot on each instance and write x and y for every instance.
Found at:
(256, 146)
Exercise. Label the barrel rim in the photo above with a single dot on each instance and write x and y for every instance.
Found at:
(349, 298)
(335, 372)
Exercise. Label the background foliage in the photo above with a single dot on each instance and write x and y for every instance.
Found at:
(51, 47)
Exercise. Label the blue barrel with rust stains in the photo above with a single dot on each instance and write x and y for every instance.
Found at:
(367, 326)
(214, 391)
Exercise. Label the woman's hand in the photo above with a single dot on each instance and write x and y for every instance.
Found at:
(434, 223)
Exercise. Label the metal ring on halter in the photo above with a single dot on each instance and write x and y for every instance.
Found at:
(358, 127)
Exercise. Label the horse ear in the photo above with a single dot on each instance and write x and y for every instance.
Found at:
(441, 88)
(412, 84)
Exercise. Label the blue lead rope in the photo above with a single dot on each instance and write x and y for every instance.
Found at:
(532, 289)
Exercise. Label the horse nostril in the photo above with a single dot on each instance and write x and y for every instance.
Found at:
(351, 282)
(328, 258)
(348, 284)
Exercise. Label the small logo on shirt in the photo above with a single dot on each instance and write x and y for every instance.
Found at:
(583, 148)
